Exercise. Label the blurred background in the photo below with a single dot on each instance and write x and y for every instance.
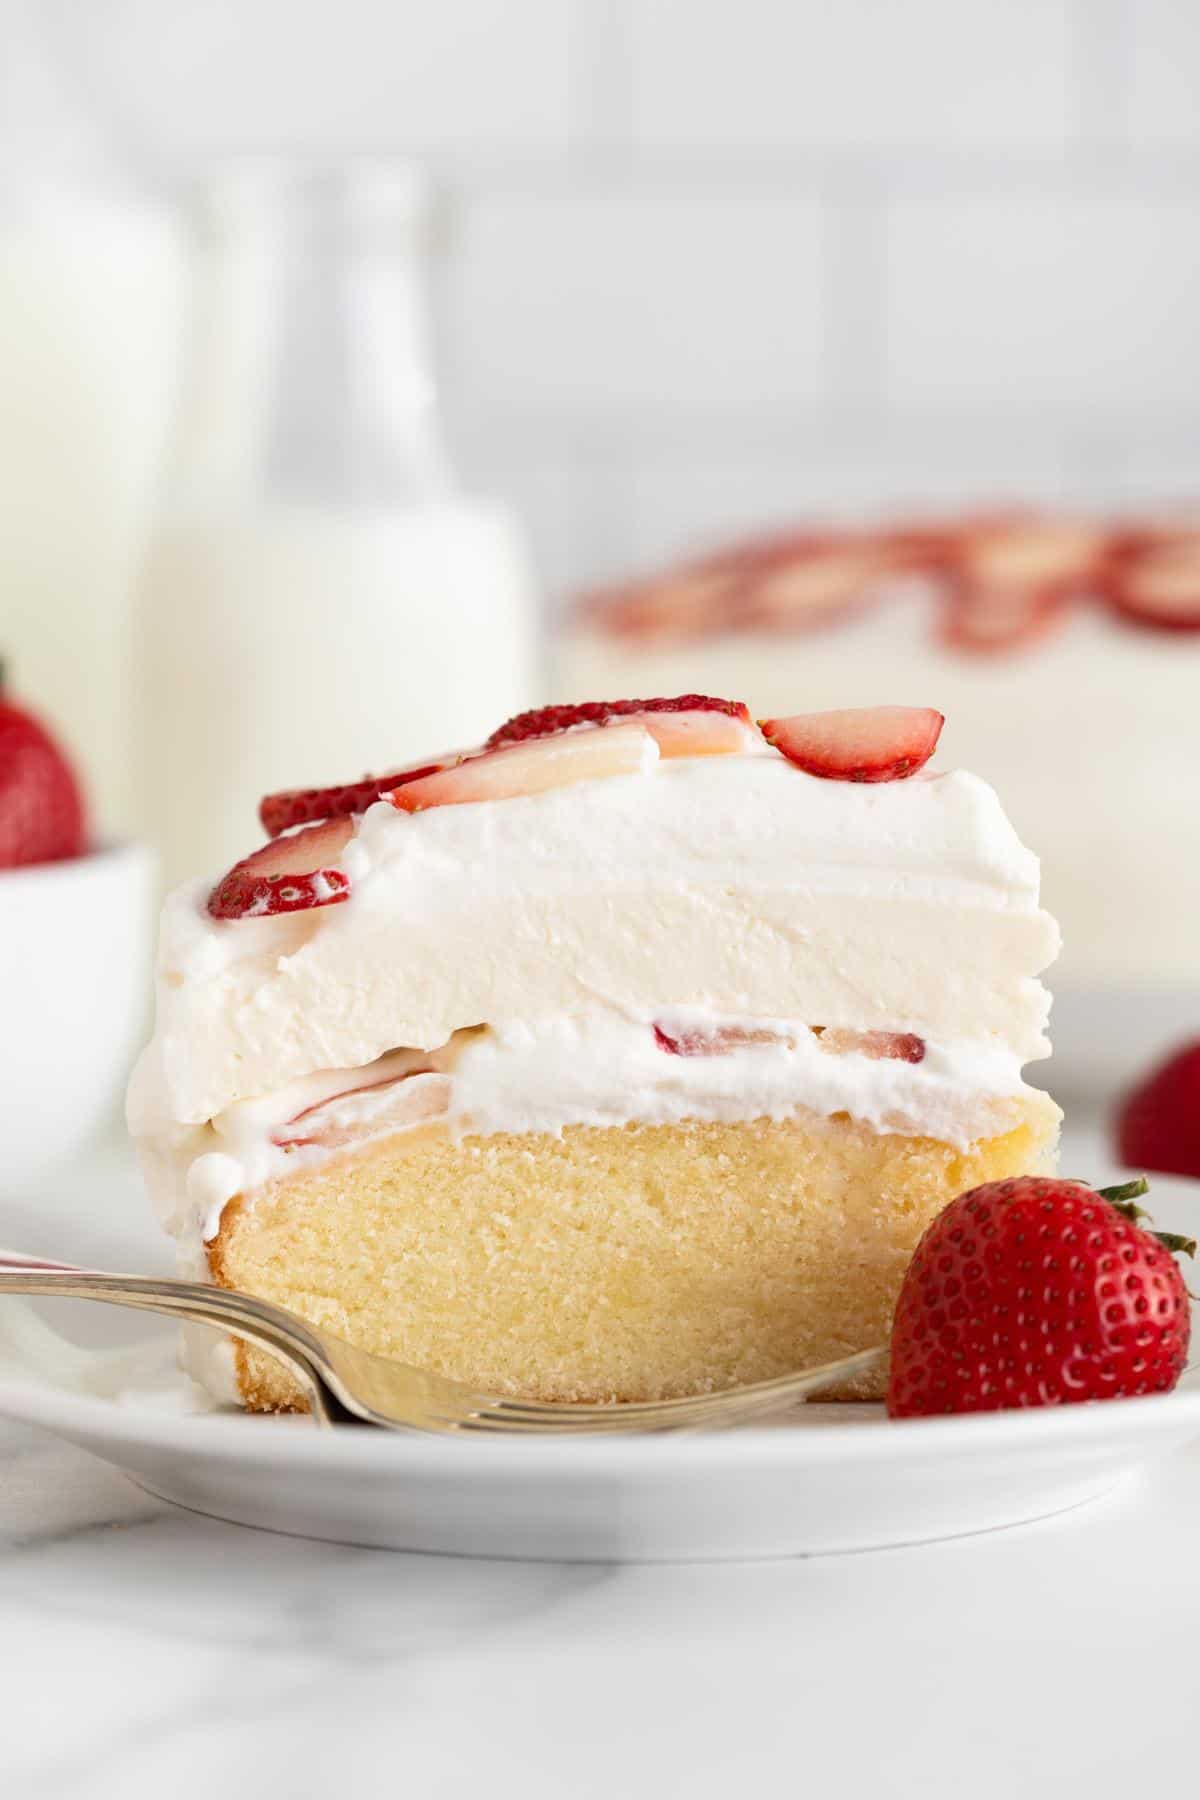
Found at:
(343, 347)
(705, 263)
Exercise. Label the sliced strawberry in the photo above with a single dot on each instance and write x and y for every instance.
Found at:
(306, 806)
(699, 733)
(387, 1106)
(719, 1041)
(684, 603)
(895, 1046)
(876, 743)
(548, 721)
(1015, 580)
(1033, 552)
(1156, 583)
(996, 619)
(813, 581)
(290, 874)
(922, 548)
(532, 767)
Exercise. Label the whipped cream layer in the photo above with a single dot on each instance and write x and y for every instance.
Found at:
(598, 1070)
(726, 887)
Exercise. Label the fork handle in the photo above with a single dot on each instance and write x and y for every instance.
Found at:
(257, 1321)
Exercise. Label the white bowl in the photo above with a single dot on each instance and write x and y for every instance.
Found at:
(75, 947)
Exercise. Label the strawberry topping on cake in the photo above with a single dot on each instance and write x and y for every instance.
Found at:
(879, 743)
(555, 746)
(548, 721)
(531, 767)
(290, 874)
(307, 806)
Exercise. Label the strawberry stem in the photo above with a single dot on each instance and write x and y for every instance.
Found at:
(1126, 1190)
(1177, 1245)
(1124, 1195)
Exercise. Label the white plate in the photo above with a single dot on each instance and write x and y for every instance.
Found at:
(828, 1478)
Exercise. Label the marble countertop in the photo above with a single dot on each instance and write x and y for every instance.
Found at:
(149, 1651)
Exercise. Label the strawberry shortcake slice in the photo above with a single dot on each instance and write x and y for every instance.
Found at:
(625, 1056)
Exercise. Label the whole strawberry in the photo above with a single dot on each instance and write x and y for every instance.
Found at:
(1038, 1292)
(41, 809)
(1158, 1123)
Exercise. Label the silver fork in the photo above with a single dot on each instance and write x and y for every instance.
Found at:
(348, 1386)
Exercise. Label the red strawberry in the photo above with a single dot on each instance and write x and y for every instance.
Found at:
(1156, 582)
(1158, 1123)
(1038, 1292)
(290, 874)
(307, 806)
(986, 619)
(41, 807)
(548, 721)
(876, 743)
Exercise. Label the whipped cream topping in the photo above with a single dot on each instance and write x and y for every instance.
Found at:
(727, 886)
(502, 966)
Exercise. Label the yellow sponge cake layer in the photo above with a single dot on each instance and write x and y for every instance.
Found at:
(608, 1263)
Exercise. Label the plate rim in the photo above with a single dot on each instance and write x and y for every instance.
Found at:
(224, 1438)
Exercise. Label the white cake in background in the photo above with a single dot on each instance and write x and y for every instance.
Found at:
(1066, 658)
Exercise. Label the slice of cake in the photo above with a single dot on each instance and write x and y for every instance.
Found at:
(625, 1057)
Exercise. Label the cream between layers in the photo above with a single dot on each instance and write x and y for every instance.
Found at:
(733, 886)
(696, 893)
(600, 1070)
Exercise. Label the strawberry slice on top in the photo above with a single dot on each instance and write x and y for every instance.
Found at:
(875, 743)
(307, 806)
(662, 718)
(290, 874)
(532, 767)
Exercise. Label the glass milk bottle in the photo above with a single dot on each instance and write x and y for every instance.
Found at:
(320, 601)
(89, 303)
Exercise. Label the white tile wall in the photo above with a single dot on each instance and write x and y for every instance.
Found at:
(1164, 90)
(657, 300)
(721, 261)
(859, 74)
(670, 502)
(1055, 300)
(493, 75)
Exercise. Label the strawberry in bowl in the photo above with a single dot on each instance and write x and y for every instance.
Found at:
(75, 931)
(41, 805)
